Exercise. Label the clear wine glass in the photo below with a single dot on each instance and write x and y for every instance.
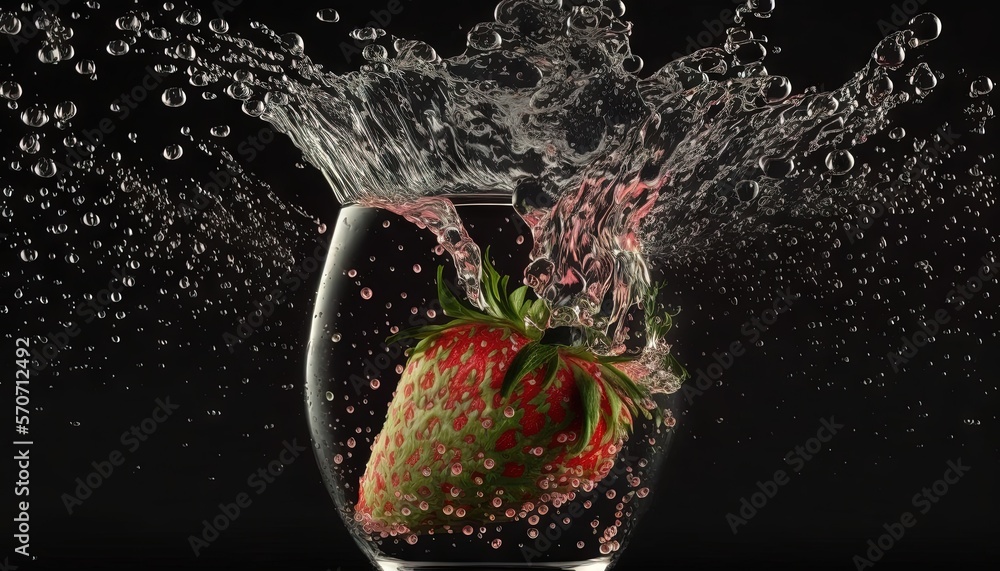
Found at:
(381, 277)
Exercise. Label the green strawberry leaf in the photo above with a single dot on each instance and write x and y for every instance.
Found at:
(528, 359)
(517, 301)
(591, 399)
(551, 368)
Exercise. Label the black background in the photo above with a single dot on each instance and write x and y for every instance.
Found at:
(238, 407)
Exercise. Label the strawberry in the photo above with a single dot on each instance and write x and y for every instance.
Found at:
(488, 421)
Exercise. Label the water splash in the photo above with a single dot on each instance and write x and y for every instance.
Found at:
(611, 169)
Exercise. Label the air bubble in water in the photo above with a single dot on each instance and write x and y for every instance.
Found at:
(174, 97)
(328, 15)
(29, 255)
(840, 161)
(91, 219)
(173, 152)
(366, 293)
(897, 133)
(220, 131)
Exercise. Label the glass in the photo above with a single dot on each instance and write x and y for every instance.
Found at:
(381, 277)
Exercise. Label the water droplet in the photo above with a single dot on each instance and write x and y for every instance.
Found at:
(747, 190)
(159, 34)
(118, 47)
(416, 268)
(189, 18)
(294, 43)
(30, 143)
(823, 104)
(91, 219)
(29, 255)
(86, 67)
(366, 293)
(186, 51)
(328, 15)
(174, 97)
(254, 107)
(329, 395)
(840, 161)
(219, 26)
(65, 111)
(10, 90)
(10, 24)
(130, 23)
(889, 53)
(45, 168)
(484, 38)
(923, 78)
(897, 133)
(173, 152)
(35, 116)
(981, 86)
(925, 28)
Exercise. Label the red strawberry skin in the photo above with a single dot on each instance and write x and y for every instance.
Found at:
(454, 451)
